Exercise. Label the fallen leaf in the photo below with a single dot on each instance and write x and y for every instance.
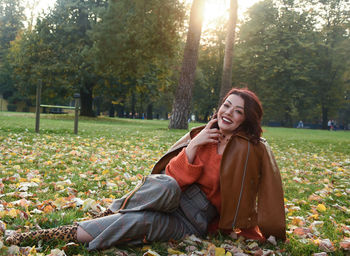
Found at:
(301, 231)
(272, 240)
(327, 245)
(2, 227)
(220, 251)
(345, 244)
(150, 253)
(321, 208)
(172, 251)
(57, 252)
(13, 250)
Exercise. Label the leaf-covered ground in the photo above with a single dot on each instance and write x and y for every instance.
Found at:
(55, 177)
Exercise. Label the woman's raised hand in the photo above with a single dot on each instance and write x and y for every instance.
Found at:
(207, 135)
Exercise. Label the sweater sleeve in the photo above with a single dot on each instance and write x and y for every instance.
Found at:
(182, 171)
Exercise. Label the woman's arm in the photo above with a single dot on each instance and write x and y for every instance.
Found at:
(207, 135)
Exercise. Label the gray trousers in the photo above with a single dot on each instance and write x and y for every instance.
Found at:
(156, 210)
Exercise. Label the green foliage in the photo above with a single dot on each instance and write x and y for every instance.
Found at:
(137, 42)
(57, 52)
(287, 56)
(11, 23)
(68, 46)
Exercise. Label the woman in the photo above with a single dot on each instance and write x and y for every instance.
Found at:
(221, 176)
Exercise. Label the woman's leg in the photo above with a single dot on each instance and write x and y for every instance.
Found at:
(83, 236)
(158, 192)
(134, 228)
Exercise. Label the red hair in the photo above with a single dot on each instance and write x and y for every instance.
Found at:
(252, 111)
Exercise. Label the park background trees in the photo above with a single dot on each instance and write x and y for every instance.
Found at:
(124, 57)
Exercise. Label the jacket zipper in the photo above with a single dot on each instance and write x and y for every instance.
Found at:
(242, 185)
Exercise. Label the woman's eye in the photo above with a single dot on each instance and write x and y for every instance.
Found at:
(239, 112)
(226, 105)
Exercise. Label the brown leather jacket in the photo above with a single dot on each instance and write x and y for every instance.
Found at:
(251, 185)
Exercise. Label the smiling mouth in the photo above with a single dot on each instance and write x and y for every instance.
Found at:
(227, 120)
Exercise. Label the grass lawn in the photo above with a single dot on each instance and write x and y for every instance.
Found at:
(55, 177)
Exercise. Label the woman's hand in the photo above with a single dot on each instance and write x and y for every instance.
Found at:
(207, 135)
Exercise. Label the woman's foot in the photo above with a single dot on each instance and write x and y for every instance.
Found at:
(65, 233)
(17, 238)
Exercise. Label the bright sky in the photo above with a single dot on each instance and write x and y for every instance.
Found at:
(216, 8)
(213, 8)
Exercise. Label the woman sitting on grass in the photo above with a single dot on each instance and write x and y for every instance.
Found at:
(221, 176)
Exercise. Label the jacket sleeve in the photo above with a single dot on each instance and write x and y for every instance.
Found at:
(271, 212)
(182, 171)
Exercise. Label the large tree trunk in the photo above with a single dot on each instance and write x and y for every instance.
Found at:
(226, 81)
(183, 94)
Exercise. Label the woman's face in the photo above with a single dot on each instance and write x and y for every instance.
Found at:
(231, 114)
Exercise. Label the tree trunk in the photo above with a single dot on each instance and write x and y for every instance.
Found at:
(226, 81)
(324, 117)
(150, 111)
(183, 93)
(86, 101)
(111, 111)
(133, 103)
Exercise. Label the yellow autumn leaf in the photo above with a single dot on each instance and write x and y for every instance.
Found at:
(35, 180)
(316, 241)
(33, 251)
(146, 248)
(105, 172)
(151, 253)
(172, 251)
(321, 208)
(297, 222)
(219, 251)
(12, 213)
(48, 162)
(2, 214)
(314, 216)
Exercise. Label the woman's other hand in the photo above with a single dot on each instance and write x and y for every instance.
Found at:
(207, 135)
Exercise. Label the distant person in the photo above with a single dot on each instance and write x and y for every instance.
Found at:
(221, 176)
(300, 124)
(334, 125)
(329, 125)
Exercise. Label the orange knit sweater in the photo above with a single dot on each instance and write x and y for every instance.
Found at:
(205, 171)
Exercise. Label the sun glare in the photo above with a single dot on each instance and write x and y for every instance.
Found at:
(220, 8)
(214, 9)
